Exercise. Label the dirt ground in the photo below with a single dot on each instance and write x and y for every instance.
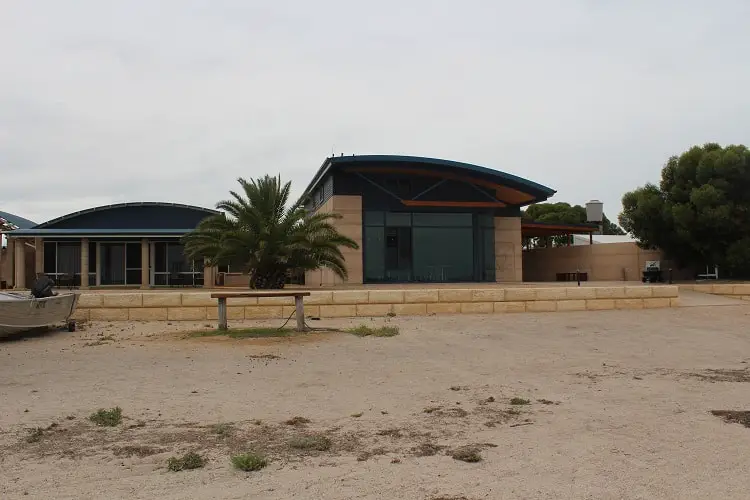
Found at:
(619, 408)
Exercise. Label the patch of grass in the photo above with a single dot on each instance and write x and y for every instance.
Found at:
(222, 428)
(188, 461)
(136, 450)
(247, 333)
(35, 435)
(733, 416)
(368, 331)
(107, 418)
(107, 338)
(723, 375)
(249, 462)
(314, 442)
(467, 454)
(547, 402)
(520, 401)
(297, 421)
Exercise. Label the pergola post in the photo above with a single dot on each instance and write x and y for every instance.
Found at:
(38, 256)
(19, 280)
(84, 263)
(145, 254)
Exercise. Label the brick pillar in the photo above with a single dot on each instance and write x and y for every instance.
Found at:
(84, 263)
(11, 262)
(38, 255)
(208, 277)
(19, 272)
(508, 250)
(145, 274)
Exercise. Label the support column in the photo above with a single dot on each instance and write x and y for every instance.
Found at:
(11, 260)
(208, 277)
(20, 261)
(145, 254)
(98, 269)
(38, 256)
(84, 263)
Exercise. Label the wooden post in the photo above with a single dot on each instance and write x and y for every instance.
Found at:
(300, 313)
(222, 313)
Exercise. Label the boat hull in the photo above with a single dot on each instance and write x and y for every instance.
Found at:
(22, 313)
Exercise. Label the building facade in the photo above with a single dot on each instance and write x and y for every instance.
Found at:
(423, 219)
(128, 244)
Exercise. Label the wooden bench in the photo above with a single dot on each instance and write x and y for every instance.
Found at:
(299, 309)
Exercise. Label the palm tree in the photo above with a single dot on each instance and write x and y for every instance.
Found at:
(270, 240)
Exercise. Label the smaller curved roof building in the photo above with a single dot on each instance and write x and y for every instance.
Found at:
(125, 244)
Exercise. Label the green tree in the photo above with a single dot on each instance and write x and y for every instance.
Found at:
(699, 214)
(563, 213)
(270, 240)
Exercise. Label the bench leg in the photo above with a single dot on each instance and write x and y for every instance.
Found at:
(222, 314)
(300, 311)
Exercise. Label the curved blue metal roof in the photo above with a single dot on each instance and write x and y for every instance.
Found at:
(504, 178)
(73, 215)
(18, 221)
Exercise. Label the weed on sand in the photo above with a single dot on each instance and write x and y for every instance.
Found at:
(315, 442)
(188, 461)
(107, 418)
(368, 331)
(249, 462)
(247, 333)
(733, 416)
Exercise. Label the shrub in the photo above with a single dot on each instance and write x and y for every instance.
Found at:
(107, 418)
(314, 442)
(249, 462)
(188, 461)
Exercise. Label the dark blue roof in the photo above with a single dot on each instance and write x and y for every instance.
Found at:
(130, 232)
(539, 191)
(18, 221)
(132, 216)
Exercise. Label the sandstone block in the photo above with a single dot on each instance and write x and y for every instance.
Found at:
(117, 300)
(338, 311)
(186, 313)
(421, 296)
(509, 307)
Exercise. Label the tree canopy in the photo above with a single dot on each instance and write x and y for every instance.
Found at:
(699, 214)
(259, 231)
(565, 213)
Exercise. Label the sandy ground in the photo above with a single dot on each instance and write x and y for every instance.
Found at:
(626, 414)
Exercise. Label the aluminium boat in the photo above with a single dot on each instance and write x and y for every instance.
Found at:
(22, 312)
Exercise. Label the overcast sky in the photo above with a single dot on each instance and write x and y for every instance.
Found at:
(142, 100)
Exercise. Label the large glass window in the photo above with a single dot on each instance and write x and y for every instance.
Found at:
(429, 247)
(173, 268)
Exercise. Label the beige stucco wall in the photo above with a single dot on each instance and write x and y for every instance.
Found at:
(602, 262)
(508, 250)
(350, 224)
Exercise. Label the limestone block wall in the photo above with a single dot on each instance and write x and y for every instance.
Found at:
(735, 291)
(350, 224)
(508, 250)
(197, 306)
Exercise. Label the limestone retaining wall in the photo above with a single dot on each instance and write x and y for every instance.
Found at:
(736, 291)
(196, 306)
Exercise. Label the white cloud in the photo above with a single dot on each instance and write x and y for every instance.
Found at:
(104, 102)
